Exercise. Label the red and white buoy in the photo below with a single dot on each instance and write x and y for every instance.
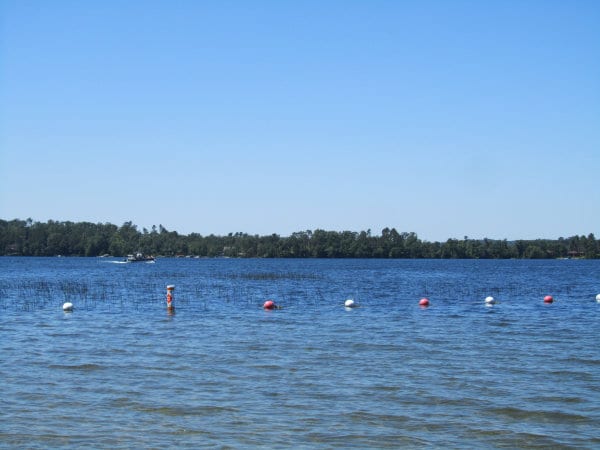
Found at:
(424, 302)
(170, 297)
(548, 299)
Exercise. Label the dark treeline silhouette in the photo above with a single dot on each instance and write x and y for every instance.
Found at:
(29, 238)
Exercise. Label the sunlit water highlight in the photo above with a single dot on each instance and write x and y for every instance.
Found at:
(119, 372)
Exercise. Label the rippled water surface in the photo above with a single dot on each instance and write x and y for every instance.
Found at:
(119, 372)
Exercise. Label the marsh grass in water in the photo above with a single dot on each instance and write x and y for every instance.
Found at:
(33, 295)
(273, 276)
(24, 295)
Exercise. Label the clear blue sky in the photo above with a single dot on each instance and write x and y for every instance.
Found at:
(446, 118)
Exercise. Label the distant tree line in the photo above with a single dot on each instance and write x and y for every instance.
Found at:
(29, 238)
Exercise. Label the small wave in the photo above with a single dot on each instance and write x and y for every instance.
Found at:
(575, 375)
(268, 367)
(583, 361)
(550, 399)
(189, 432)
(387, 388)
(377, 419)
(200, 411)
(503, 438)
(82, 367)
(539, 415)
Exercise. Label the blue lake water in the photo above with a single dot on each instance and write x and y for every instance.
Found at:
(120, 372)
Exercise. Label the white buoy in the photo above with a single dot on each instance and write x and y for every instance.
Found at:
(349, 303)
(598, 298)
(170, 297)
(490, 300)
(68, 307)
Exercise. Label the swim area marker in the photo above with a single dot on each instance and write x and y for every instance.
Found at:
(170, 297)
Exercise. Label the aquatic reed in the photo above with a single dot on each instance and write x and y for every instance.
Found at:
(266, 276)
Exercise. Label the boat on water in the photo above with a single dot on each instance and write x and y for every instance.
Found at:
(139, 257)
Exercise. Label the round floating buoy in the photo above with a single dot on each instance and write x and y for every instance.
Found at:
(490, 300)
(548, 299)
(424, 302)
(68, 307)
(269, 304)
(598, 298)
(349, 303)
